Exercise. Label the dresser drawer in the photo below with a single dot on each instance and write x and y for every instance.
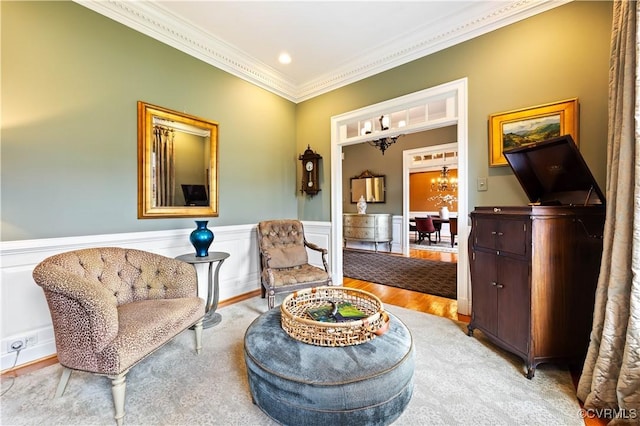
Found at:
(357, 233)
(363, 221)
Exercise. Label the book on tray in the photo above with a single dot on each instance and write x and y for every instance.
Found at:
(336, 312)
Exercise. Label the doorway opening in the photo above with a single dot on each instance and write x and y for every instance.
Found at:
(443, 105)
(422, 174)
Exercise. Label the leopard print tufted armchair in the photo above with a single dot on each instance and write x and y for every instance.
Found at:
(111, 307)
(284, 260)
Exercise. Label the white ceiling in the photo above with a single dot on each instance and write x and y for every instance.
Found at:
(332, 43)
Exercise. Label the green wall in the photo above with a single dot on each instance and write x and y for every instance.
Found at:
(71, 79)
(559, 54)
(70, 82)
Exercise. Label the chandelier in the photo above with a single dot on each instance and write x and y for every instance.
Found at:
(383, 143)
(444, 183)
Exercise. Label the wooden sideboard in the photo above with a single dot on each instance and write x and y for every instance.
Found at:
(373, 228)
(534, 272)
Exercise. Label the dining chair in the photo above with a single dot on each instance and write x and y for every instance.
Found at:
(425, 227)
(412, 228)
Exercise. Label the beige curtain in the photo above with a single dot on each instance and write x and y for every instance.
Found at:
(164, 166)
(610, 381)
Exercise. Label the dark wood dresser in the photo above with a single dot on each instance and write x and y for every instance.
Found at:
(534, 272)
(534, 269)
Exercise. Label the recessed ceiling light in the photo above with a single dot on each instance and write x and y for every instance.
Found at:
(284, 58)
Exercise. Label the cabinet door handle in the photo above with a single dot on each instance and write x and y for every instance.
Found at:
(493, 232)
(500, 234)
(493, 283)
(499, 286)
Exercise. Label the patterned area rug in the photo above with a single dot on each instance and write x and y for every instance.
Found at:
(425, 276)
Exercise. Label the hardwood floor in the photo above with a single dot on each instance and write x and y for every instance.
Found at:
(30, 367)
(417, 301)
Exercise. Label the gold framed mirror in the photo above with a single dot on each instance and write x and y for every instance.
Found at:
(369, 186)
(177, 164)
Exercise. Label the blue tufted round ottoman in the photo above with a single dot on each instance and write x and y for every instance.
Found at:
(300, 384)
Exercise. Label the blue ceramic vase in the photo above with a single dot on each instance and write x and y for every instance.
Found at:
(201, 238)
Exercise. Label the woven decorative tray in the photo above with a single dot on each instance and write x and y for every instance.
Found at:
(298, 324)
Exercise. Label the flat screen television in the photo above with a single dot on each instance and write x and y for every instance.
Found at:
(195, 195)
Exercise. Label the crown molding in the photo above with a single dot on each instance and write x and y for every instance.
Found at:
(423, 44)
(151, 19)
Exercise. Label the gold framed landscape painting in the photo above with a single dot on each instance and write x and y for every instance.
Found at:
(513, 129)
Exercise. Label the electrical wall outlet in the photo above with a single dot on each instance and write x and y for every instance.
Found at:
(16, 344)
(22, 342)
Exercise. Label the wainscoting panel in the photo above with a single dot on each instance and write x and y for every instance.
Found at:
(318, 233)
(23, 307)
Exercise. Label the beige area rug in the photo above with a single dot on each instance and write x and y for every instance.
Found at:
(459, 380)
(443, 248)
(444, 245)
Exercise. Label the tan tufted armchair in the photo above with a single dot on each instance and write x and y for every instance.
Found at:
(111, 307)
(284, 261)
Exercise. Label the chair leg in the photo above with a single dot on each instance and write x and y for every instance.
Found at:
(62, 384)
(118, 387)
(198, 329)
(271, 299)
(453, 240)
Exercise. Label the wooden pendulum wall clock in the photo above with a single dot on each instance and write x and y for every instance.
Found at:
(310, 174)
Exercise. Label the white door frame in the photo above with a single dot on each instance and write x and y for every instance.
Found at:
(407, 167)
(339, 139)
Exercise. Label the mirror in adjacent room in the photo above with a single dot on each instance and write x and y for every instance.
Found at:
(368, 185)
(177, 164)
